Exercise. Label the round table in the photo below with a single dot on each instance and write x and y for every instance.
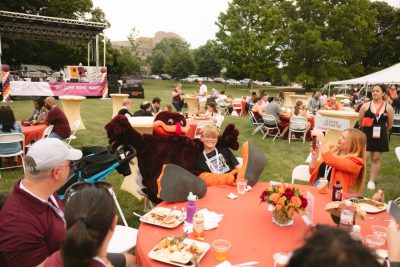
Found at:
(33, 132)
(246, 224)
(192, 103)
(339, 99)
(143, 124)
(288, 101)
(72, 109)
(332, 134)
(117, 100)
(294, 98)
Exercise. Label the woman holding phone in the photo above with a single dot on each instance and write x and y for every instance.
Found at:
(376, 119)
(344, 162)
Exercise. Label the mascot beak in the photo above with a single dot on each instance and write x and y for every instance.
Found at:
(178, 128)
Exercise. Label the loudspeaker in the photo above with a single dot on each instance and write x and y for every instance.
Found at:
(113, 86)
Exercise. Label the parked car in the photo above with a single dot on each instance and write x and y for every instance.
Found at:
(232, 82)
(191, 78)
(165, 76)
(245, 81)
(219, 80)
(155, 77)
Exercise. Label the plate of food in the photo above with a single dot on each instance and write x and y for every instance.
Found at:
(369, 205)
(178, 252)
(164, 217)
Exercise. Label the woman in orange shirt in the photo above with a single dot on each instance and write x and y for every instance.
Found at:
(344, 162)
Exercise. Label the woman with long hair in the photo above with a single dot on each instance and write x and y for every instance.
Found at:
(376, 119)
(39, 112)
(212, 112)
(177, 97)
(345, 162)
(91, 218)
(9, 125)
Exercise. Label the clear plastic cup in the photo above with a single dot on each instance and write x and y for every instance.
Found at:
(379, 230)
(241, 186)
(374, 241)
(280, 259)
(221, 248)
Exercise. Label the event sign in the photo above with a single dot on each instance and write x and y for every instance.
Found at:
(331, 123)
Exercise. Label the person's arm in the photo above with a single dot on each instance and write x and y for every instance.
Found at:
(390, 117)
(393, 241)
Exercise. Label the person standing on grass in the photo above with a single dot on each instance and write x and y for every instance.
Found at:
(177, 97)
(382, 116)
(202, 95)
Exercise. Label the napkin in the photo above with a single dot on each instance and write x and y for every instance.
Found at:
(211, 220)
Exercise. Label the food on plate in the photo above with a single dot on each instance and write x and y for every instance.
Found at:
(167, 219)
(180, 257)
(194, 249)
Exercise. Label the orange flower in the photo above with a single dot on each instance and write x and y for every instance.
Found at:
(281, 189)
(278, 207)
(274, 197)
(296, 201)
(291, 212)
(281, 201)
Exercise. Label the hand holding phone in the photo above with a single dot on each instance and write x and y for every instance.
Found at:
(394, 210)
(314, 142)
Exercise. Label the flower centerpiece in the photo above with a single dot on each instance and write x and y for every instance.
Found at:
(286, 200)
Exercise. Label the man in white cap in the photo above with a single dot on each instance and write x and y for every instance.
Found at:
(202, 95)
(32, 219)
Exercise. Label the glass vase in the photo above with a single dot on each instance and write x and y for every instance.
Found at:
(282, 218)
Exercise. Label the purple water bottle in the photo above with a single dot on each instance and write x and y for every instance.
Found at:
(191, 207)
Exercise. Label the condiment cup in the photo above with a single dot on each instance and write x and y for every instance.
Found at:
(221, 247)
(241, 186)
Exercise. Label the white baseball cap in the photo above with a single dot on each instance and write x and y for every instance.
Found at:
(51, 152)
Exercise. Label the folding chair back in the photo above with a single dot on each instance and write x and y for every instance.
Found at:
(297, 125)
(237, 105)
(259, 125)
(301, 172)
(14, 138)
(75, 127)
(270, 125)
(47, 131)
(220, 120)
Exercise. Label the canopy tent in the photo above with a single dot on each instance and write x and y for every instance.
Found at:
(389, 75)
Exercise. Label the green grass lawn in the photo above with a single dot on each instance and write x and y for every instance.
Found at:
(281, 156)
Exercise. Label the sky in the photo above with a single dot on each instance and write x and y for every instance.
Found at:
(194, 20)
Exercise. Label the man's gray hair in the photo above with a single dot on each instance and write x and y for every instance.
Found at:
(30, 170)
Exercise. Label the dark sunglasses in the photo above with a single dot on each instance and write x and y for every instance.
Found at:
(82, 185)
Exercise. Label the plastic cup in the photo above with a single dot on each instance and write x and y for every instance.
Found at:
(241, 186)
(379, 230)
(280, 259)
(221, 248)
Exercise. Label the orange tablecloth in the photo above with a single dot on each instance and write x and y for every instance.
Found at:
(33, 133)
(193, 124)
(246, 224)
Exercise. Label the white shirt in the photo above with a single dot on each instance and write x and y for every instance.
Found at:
(202, 90)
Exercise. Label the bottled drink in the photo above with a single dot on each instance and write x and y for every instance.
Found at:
(198, 226)
(356, 233)
(337, 192)
(347, 217)
(191, 207)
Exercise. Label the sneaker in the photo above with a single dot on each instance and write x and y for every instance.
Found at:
(371, 185)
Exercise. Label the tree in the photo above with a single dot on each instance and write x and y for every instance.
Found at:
(207, 59)
(173, 56)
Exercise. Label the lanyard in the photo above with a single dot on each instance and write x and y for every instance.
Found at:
(209, 162)
(378, 112)
(327, 170)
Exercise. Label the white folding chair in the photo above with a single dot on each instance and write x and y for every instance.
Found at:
(199, 127)
(75, 127)
(397, 150)
(297, 125)
(259, 125)
(270, 124)
(301, 172)
(124, 237)
(222, 107)
(14, 138)
(47, 131)
(237, 105)
(220, 120)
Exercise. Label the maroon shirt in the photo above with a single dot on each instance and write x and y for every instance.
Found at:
(57, 118)
(55, 260)
(30, 230)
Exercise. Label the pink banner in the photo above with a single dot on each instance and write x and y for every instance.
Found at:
(80, 89)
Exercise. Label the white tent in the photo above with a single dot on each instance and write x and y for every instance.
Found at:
(389, 75)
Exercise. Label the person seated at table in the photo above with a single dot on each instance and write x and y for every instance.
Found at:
(258, 110)
(345, 162)
(39, 112)
(213, 160)
(251, 101)
(327, 246)
(126, 105)
(144, 110)
(9, 125)
(177, 97)
(155, 106)
(211, 113)
(299, 110)
(331, 104)
(274, 109)
(90, 217)
(167, 108)
(264, 101)
(224, 101)
(314, 104)
(57, 118)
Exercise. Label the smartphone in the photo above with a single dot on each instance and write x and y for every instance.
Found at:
(394, 210)
(314, 142)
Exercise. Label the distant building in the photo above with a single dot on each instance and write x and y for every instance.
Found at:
(145, 47)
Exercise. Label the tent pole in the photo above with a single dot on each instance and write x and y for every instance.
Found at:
(88, 54)
(97, 50)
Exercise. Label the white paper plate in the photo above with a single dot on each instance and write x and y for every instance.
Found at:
(150, 219)
(368, 208)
